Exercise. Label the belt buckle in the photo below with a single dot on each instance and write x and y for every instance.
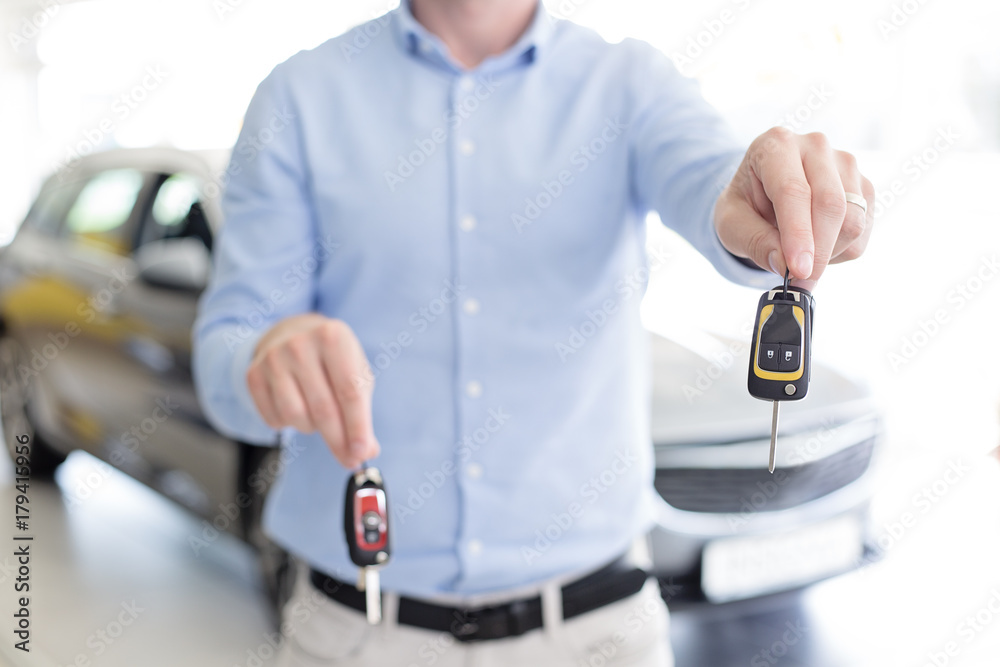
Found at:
(509, 620)
(464, 627)
(517, 618)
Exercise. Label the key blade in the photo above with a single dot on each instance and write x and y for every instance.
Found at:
(774, 436)
(373, 596)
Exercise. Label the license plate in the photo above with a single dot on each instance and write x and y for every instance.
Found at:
(742, 567)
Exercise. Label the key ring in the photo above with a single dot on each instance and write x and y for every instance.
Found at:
(784, 294)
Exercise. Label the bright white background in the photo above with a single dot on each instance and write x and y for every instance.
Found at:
(888, 86)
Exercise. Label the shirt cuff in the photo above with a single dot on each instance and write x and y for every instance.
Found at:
(240, 365)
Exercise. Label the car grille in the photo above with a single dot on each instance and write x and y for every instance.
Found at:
(725, 490)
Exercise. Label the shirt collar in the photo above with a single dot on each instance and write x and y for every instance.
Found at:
(419, 42)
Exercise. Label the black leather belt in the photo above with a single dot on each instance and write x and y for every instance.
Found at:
(615, 581)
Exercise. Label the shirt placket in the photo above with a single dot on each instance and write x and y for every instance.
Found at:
(471, 377)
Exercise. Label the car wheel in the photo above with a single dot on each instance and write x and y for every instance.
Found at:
(15, 411)
(277, 566)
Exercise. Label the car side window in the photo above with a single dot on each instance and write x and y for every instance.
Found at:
(49, 209)
(176, 212)
(98, 216)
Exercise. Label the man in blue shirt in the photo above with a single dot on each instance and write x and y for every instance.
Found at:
(433, 258)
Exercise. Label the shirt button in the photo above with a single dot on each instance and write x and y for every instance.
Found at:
(466, 147)
(466, 83)
(425, 47)
(467, 223)
(471, 306)
(474, 389)
(475, 547)
(474, 471)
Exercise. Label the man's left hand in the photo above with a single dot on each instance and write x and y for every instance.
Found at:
(786, 206)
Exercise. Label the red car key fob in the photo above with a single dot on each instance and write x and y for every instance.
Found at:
(366, 526)
(366, 518)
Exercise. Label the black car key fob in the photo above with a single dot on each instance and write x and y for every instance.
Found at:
(781, 351)
(366, 527)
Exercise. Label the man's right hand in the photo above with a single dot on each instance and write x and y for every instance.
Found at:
(305, 373)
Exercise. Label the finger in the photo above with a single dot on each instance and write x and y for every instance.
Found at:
(856, 249)
(762, 204)
(260, 392)
(744, 232)
(808, 285)
(310, 374)
(347, 369)
(286, 393)
(828, 206)
(855, 217)
(778, 166)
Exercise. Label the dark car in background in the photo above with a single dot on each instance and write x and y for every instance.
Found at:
(98, 294)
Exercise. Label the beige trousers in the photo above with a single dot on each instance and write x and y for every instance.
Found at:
(318, 632)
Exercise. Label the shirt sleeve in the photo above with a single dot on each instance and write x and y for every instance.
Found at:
(261, 255)
(683, 154)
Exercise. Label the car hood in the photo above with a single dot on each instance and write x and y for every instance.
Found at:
(700, 394)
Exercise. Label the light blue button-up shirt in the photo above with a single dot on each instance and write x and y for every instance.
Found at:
(482, 232)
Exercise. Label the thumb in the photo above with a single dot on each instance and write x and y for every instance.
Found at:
(744, 233)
